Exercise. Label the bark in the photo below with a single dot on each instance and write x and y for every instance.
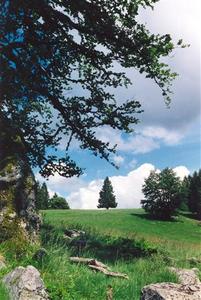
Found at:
(18, 217)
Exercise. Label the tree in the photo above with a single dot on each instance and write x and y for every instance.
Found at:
(194, 199)
(57, 202)
(42, 196)
(107, 198)
(161, 192)
(184, 194)
(57, 71)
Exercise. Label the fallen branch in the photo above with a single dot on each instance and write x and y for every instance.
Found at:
(98, 266)
(108, 273)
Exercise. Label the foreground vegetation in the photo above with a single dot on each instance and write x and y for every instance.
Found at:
(126, 240)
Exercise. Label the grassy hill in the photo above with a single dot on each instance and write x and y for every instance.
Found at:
(182, 236)
(126, 240)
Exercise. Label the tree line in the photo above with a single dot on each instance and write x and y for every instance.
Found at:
(165, 194)
(44, 201)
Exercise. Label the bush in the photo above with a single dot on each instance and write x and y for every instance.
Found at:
(162, 194)
(57, 202)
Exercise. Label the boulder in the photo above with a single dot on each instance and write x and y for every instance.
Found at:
(171, 291)
(188, 289)
(25, 284)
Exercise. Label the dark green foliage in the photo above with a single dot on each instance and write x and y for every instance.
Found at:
(194, 199)
(184, 194)
(57, 202)
(107, 198)
(57, 59)
(161, 192)
(42, 196)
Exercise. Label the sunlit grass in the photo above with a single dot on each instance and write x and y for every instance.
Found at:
(175, 242)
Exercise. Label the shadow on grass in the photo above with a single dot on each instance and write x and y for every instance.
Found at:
(190, 215)
(106, 248)
(145, 216)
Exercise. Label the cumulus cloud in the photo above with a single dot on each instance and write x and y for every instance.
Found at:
(128, 189)
(118, 160)
(60, 185)
(181, 172)
(145, 140)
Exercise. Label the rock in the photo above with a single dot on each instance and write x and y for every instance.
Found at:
(170, 291)
(187, 277)
(73, 233)
(40, 254)
(25, 284)
(188, 289)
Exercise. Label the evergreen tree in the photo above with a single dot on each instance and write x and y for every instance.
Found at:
(107, 198)
(194, 200)
(57, 202)
(184, 194)
(161, 192)
(42, 196)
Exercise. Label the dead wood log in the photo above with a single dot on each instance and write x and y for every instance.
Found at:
(107, 272)
(88, 261)
(98, 266)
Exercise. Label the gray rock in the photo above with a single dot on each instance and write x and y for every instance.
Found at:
(171, 291)
(186, 276)
(25, 284)
(188, 289)
(73, 233)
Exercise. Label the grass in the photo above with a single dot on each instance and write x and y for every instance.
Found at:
(108, 230)
(181, 237)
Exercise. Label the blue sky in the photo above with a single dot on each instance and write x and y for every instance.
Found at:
(165, 137)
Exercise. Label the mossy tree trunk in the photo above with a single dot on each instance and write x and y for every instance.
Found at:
(18, 216)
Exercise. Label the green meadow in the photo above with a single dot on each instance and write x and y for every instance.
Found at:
(126, 240)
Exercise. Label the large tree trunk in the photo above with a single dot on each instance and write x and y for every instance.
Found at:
(18, 215)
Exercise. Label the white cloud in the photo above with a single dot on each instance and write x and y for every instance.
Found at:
(169, 137)
(147, 139)
(132, 163)
(61, 185)
(181, 172)
(118, 160)
(128, 189)
(83, 195)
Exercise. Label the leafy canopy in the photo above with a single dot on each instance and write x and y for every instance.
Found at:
(57, 73)
(162, 194)
(107, 198)
(57, 202)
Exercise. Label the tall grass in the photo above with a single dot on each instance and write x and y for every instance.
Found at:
(115, 238)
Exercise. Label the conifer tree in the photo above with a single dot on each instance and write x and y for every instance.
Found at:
(107, 198)
(42, 196)
(194, 201)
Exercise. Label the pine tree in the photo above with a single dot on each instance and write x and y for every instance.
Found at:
(194, 201)
(42, 196)
(107, 198)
